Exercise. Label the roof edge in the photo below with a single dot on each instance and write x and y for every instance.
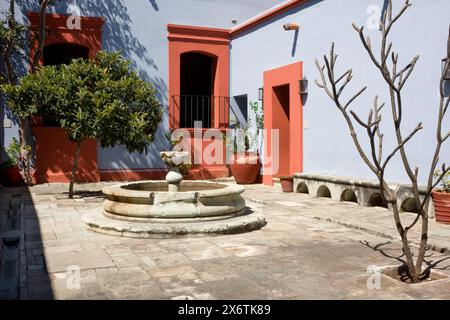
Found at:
(265, 16)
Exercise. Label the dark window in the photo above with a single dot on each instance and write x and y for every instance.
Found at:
(241, 107)
(196, 88)
(63, 53)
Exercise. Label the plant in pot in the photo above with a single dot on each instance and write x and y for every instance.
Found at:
(10, 172)
(287, 183)
(244, 165)
(441, 198)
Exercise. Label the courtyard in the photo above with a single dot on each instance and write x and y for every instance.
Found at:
(311, 248)
(218, 150)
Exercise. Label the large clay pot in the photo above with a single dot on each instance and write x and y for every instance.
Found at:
(245, 168)
(441, 201)
(10, 177)
(287, 184)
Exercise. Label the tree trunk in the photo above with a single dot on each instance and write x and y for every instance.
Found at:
(25, 165)
(41, 36)
(74, 169)
(423, 242)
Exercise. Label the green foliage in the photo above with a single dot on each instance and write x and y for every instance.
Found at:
(102, 98)
(12, 34)
(13, 154)
(233, 143)
(35, 95)
(259, 115)
(259, 121)
(445, 182)
(250, 138)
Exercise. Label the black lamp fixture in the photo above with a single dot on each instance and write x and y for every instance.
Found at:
(303, 86)
(303, 90)
(261, 94)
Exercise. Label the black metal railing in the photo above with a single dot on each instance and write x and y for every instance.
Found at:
(212, 111)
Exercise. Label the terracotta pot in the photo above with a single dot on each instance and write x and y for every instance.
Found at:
(245, 168)
(10, 177)
(287, 184)
(441, 201)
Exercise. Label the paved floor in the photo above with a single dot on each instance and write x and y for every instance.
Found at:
(310, 249)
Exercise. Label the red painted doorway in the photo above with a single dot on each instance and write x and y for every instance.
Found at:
(280, 122)
(283, 112)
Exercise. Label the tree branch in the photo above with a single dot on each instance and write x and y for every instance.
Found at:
(41, 37)
(401, 145)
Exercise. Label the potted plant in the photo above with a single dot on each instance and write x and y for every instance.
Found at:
(245, 167)
(10, 173)
(441, 199)
(287, 183)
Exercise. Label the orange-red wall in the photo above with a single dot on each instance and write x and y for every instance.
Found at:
(213, 42)
(209, 41)
(275, 117)
(54, 157)
(54, 151)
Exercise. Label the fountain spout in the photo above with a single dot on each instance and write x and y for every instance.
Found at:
(176, 161)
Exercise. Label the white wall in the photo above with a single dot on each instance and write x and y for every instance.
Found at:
(138, 28)
(328, 147)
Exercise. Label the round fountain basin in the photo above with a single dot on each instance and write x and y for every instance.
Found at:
(151, 200)
(147, 210)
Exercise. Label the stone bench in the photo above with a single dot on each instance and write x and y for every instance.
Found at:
(363, 192)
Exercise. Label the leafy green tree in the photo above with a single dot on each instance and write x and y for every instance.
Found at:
(12, 37)
(102, 98)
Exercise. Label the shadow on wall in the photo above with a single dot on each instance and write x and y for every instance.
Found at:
(2, 131)
(283, 15)
(447, 88)
(20, 65)
(117, 31)
(154, 5)
(118, 36)
(55, 161)
(294, 44)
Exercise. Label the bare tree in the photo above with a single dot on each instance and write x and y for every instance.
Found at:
(396, 78)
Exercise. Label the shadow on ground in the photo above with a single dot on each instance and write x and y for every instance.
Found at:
(433, 260)
(21, 248)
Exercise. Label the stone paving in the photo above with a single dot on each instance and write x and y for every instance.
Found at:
(310, 249)
(375, 220)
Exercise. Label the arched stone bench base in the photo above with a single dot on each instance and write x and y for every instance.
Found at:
(367, 192)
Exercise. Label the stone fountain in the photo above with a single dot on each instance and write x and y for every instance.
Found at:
(155, 209)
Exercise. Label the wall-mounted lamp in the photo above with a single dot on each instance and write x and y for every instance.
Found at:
(303, 90)
(291, 26)
(261, 94)
(303, 86)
